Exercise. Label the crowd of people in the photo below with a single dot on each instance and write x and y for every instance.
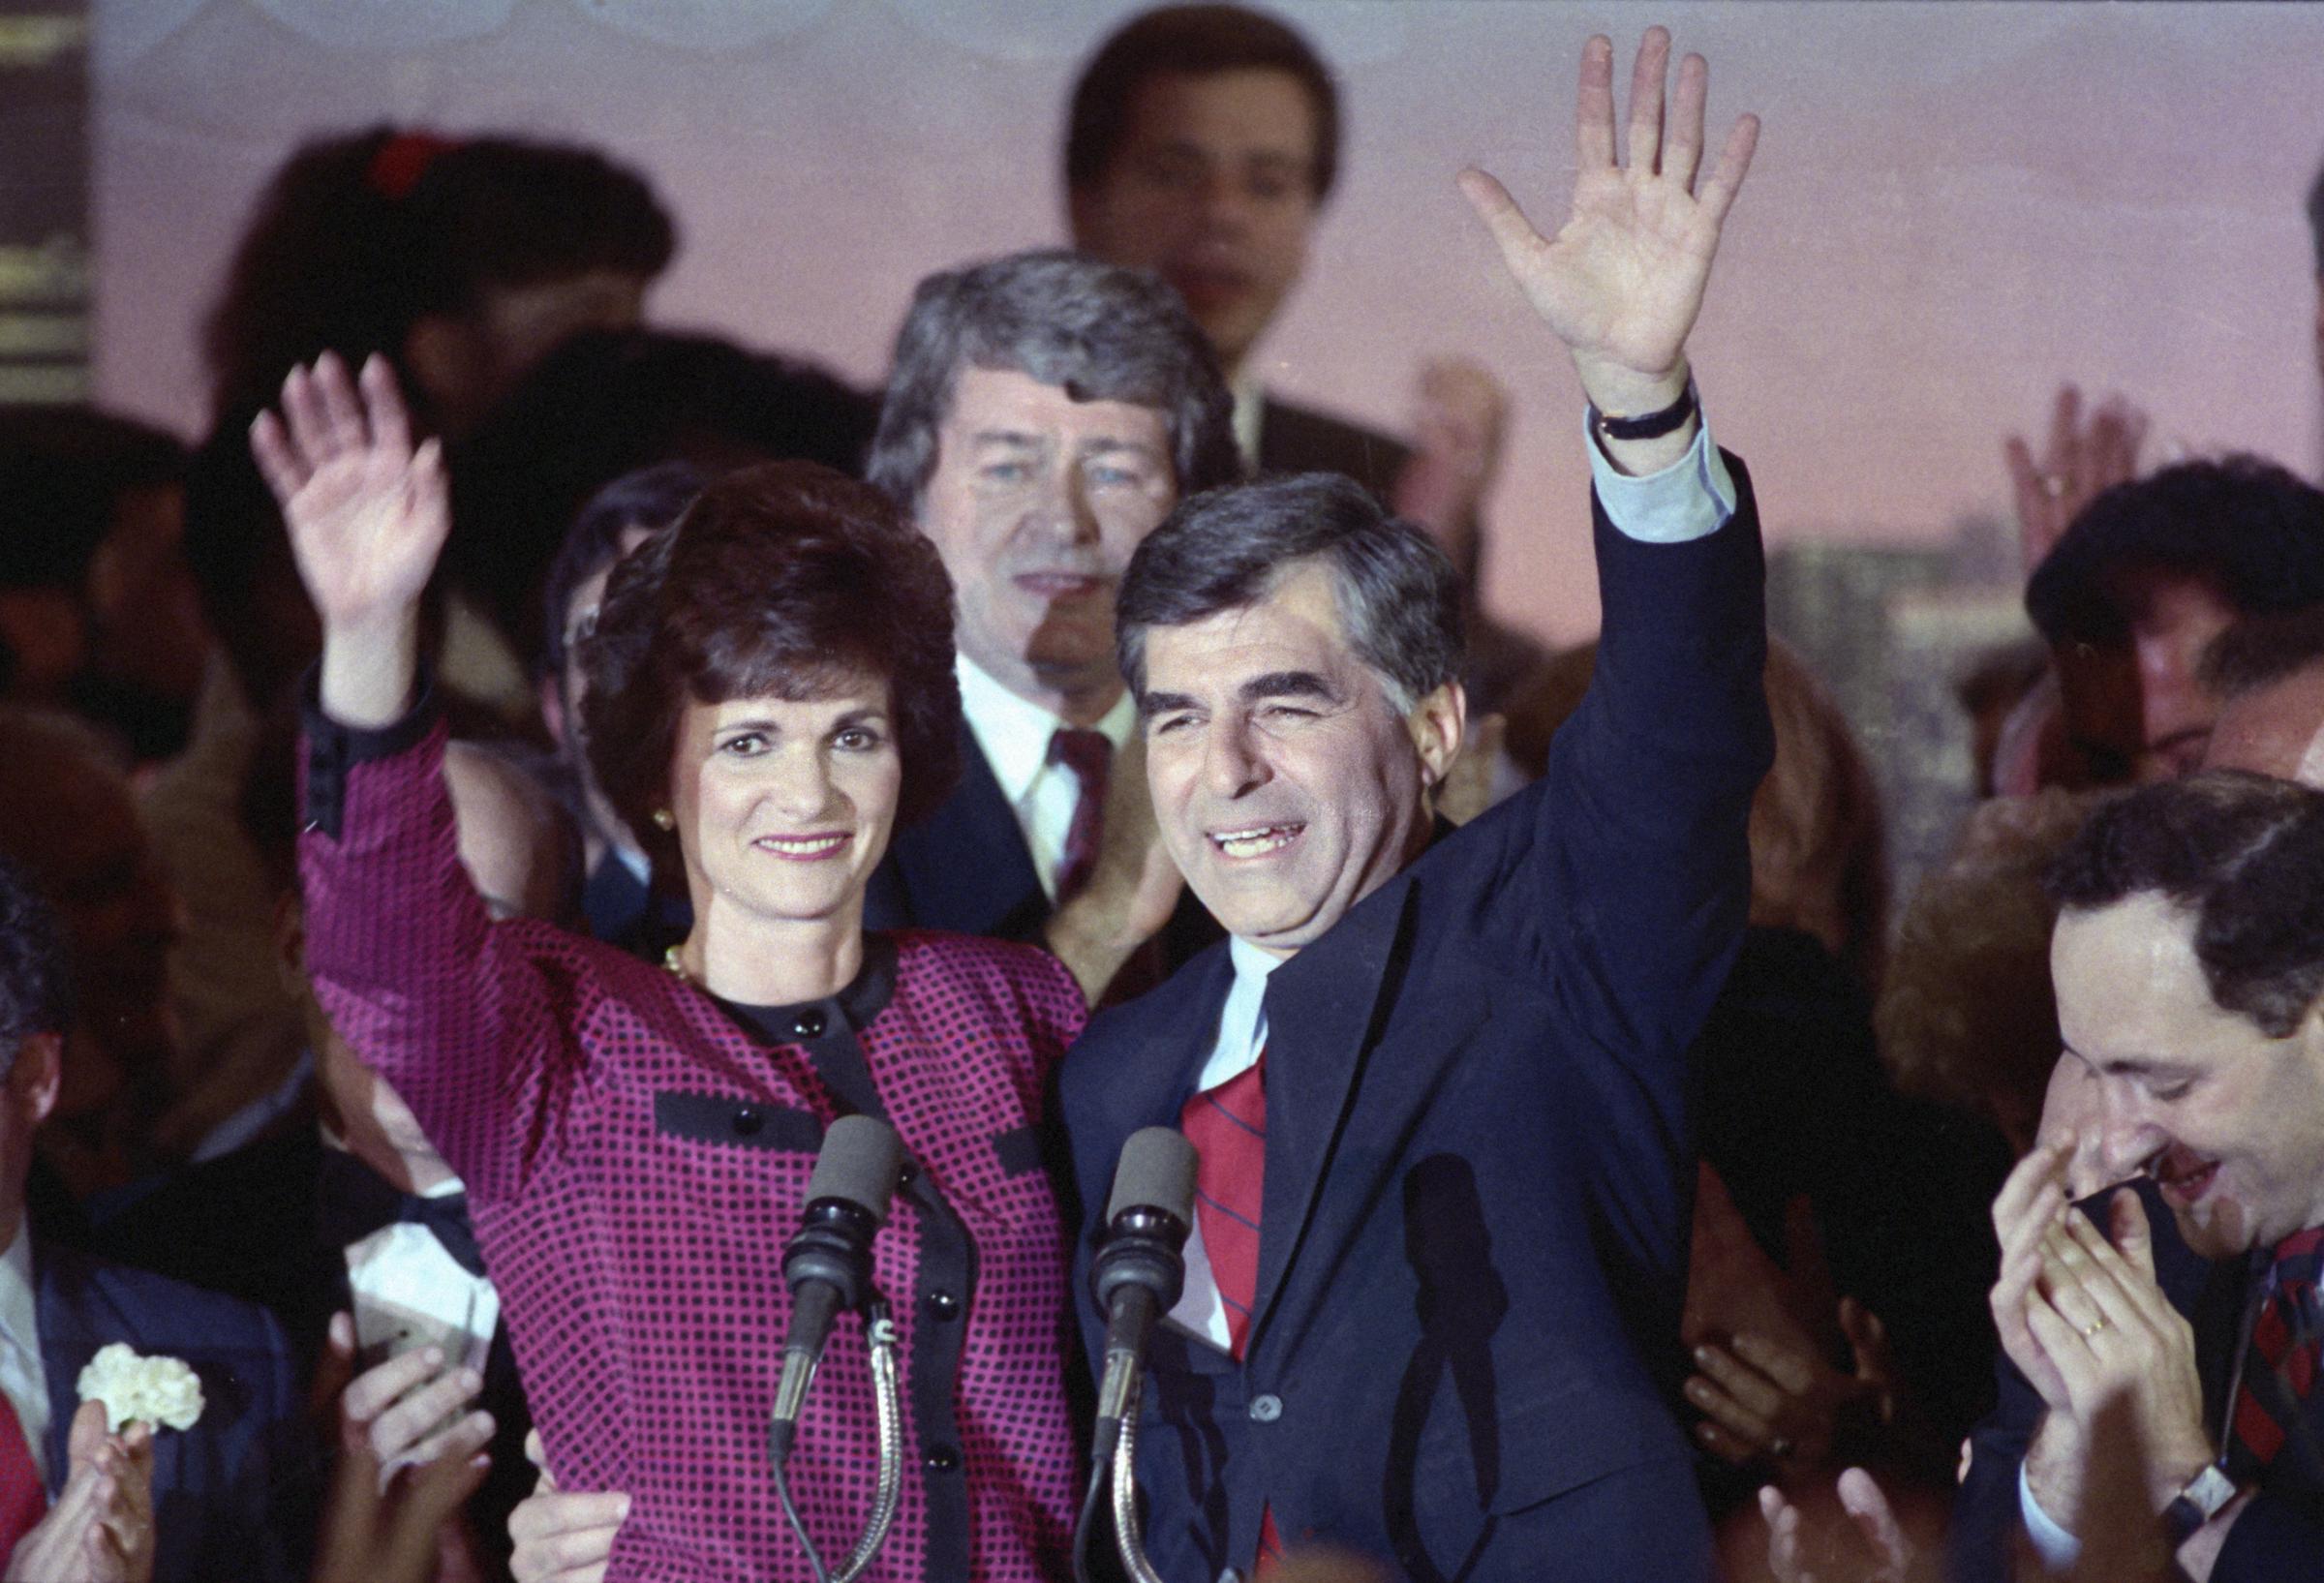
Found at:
(472, 826)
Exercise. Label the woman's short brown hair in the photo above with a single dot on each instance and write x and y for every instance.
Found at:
(777, 582)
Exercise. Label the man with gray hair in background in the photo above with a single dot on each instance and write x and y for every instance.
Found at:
(1044, 412)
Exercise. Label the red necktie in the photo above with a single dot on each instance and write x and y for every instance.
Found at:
(2279, 1369)
(1227, 1126)
(23, 1498)
(1088, 754)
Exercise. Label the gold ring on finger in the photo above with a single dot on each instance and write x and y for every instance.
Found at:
(2094, 1326)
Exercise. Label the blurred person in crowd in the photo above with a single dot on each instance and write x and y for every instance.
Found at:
(1439, 1084)
(346, 1200)
(618, 901)
(1202, 142)
(2268, 674)
(217, 1500)
(97, 610)
(608, 403)
(462, 262)
(2148, 574)
(1044, 412)
(67, 815)
(777, 694)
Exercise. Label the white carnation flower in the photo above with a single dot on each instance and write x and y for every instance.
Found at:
(157, 1391)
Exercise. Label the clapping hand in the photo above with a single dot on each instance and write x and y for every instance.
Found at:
(101, 1529)
(1621, 281)
(367, 515)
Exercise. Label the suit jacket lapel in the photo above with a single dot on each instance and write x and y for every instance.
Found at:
(68, 1339)
(968, 869)
(1322, 1009)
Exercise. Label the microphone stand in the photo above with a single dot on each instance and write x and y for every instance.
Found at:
(1126, 1537)
(880, 1333)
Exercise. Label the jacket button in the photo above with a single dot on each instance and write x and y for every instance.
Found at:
(943, 1305)
(1265, 1408)
(747, 1121)
(809, 1026)
(943, 1459)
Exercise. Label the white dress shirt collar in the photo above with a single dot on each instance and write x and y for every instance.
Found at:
(1014, 732)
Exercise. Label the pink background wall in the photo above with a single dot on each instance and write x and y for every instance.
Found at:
(1954, 205)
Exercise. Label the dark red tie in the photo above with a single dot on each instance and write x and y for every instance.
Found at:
(1088, 754)
(1228, 1127)
(23, 1498)
(2280, 1368)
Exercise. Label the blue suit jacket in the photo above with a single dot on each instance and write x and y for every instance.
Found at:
(2280, 1535)
(230, 1495)
(1478, 1157)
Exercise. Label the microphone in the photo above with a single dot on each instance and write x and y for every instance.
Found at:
(828, 1264)
(1141, 1264)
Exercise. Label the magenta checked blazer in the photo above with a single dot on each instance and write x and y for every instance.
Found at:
(635, 1159)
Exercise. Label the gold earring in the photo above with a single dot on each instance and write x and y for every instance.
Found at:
(663, 820)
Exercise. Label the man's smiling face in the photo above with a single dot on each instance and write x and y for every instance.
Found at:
(1288, 783)
(2228, 1120)
(1036, 503)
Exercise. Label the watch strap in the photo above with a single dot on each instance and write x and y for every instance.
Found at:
(1645, 425)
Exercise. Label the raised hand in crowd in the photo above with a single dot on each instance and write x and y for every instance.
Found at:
(2081, 462)
(367, 515)
(100, 1528)
(1864, 1544)
(409, 1458)
(1460, 413)
(1131, 891)
(1621, 281)
(560, 1537)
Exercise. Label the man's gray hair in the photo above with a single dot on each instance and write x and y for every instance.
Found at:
(1098, 331)
(1399, 597)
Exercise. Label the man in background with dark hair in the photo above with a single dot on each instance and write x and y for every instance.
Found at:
(618, 903)
(1438, 1080)
(1044, 412)
(2145, 577)
(2162, 1346)
(1202, 142)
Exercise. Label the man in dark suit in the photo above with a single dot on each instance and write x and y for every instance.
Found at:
(2174, 1331)
(1042, 413)
(1438, 1080)
(1202, 142)
(227, 1495)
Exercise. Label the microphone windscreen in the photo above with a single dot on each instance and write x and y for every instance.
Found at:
(860, 1159)
(1156, 1172)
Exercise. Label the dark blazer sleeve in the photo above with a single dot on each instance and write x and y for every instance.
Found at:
(1634, 896)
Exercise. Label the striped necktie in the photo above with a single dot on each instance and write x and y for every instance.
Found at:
(2279, 1367)
(1228, 1127)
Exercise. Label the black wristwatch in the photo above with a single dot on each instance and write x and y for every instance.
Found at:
(1646, 425)
(2205, 1496)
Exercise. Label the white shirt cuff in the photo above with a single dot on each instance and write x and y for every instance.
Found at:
(2056, 1548)
(1689, 499)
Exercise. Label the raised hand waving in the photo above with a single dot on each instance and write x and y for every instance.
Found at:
(1621, 281)
(367, 515)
